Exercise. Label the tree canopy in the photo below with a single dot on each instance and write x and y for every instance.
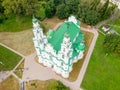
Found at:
(20, 7)
(112, 43)
(90, 11)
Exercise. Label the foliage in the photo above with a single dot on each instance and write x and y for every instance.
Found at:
(67, 8)
(93, 12)
(57, 86)
(111, 43)
(40, 11)
(88, 12)
(8, 58)
(104, 8)
(91, 18)
(58, 2)
(20, 7)
(62, 11)
(72, 6)
(50, 9)
(2, 17)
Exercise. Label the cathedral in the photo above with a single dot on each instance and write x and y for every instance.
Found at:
(59, 49)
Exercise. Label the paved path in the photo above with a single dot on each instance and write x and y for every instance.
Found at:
(35, 71)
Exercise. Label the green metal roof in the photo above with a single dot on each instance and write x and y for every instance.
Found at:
(75, 53)
(80, 38)
(81, 47)
(76, 44)
(57, 38)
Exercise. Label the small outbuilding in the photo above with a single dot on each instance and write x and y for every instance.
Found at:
(106, 28)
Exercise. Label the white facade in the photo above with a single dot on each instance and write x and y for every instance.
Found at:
(61, 62)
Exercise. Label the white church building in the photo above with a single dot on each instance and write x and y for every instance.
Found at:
(60, 48)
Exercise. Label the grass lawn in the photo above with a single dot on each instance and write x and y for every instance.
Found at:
(19, 70)
(42, 85)
(8, 58)
(103, 72)
(11, 83)
(15, 24)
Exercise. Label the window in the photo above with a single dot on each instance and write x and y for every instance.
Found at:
(50, 57)
(62, 56)
(52, 66)
(61, 63)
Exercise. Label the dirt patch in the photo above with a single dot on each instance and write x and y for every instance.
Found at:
(19, 41)
(50, 23)
(11, 83)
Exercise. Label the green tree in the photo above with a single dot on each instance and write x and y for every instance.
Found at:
(88, 12)
(50, 9)
(1, 7)
(94, 5)
(1, 12)
(82, 9)
(73, 6)
(111, 43)
(104, 8)
(58, 2)
(92, 17)
(62, 11)
(20, 7)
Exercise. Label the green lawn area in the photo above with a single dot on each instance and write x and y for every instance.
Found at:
(15, 24)
(8, 58)
(11, 83)
(103, 72)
